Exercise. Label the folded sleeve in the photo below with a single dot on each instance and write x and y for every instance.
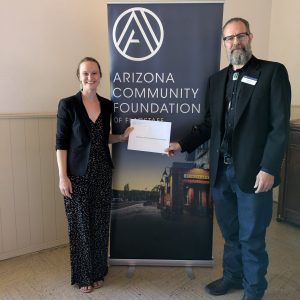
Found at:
(279, 117)
(63, 126)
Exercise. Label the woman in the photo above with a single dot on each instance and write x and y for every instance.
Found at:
(85, 175)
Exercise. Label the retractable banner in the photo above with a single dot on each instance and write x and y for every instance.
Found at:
(161, 55)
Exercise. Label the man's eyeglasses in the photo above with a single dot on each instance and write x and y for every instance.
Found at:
(240, 36)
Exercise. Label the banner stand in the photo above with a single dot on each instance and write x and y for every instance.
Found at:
(161, 56)
(187, 264)
(158, 262)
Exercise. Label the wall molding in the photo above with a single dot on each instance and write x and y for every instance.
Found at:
(28, 116)
(32, 215)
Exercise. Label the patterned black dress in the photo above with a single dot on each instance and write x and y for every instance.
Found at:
(88, 214)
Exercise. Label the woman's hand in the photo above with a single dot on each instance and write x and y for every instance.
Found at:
(65, 186)
(117, 138)
(125, 135)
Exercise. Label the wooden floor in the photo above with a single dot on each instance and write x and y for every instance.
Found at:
(46, 275)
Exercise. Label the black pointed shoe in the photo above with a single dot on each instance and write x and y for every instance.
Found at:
(222, 286)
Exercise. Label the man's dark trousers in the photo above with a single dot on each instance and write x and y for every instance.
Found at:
(243, 219)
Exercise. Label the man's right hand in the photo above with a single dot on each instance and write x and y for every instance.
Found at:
(173, 147)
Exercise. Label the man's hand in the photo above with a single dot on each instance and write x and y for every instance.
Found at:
(264, 182)
(173, 147)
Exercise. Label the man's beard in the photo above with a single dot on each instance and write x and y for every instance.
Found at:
(239, 57)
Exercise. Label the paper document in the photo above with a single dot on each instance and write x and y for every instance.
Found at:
(150, 136)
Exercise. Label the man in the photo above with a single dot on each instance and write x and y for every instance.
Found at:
(247, 121)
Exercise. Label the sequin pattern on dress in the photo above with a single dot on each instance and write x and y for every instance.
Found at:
(88, 213)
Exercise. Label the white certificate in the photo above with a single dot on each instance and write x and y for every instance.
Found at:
(150, 136)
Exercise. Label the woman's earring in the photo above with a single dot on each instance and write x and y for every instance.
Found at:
(81, 87)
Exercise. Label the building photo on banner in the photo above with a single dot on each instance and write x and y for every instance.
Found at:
(159, 67)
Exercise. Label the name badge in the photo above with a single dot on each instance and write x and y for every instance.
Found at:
(249, 80)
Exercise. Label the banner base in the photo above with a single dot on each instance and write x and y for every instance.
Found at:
(161, 262)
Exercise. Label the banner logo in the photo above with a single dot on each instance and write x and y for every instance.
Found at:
(138, 30)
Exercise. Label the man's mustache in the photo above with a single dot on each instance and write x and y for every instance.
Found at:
(238, 47)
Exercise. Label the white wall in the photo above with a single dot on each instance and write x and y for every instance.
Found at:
(42, 42)
(284, 43)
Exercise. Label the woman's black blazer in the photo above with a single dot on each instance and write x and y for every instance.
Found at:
(73, 131)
